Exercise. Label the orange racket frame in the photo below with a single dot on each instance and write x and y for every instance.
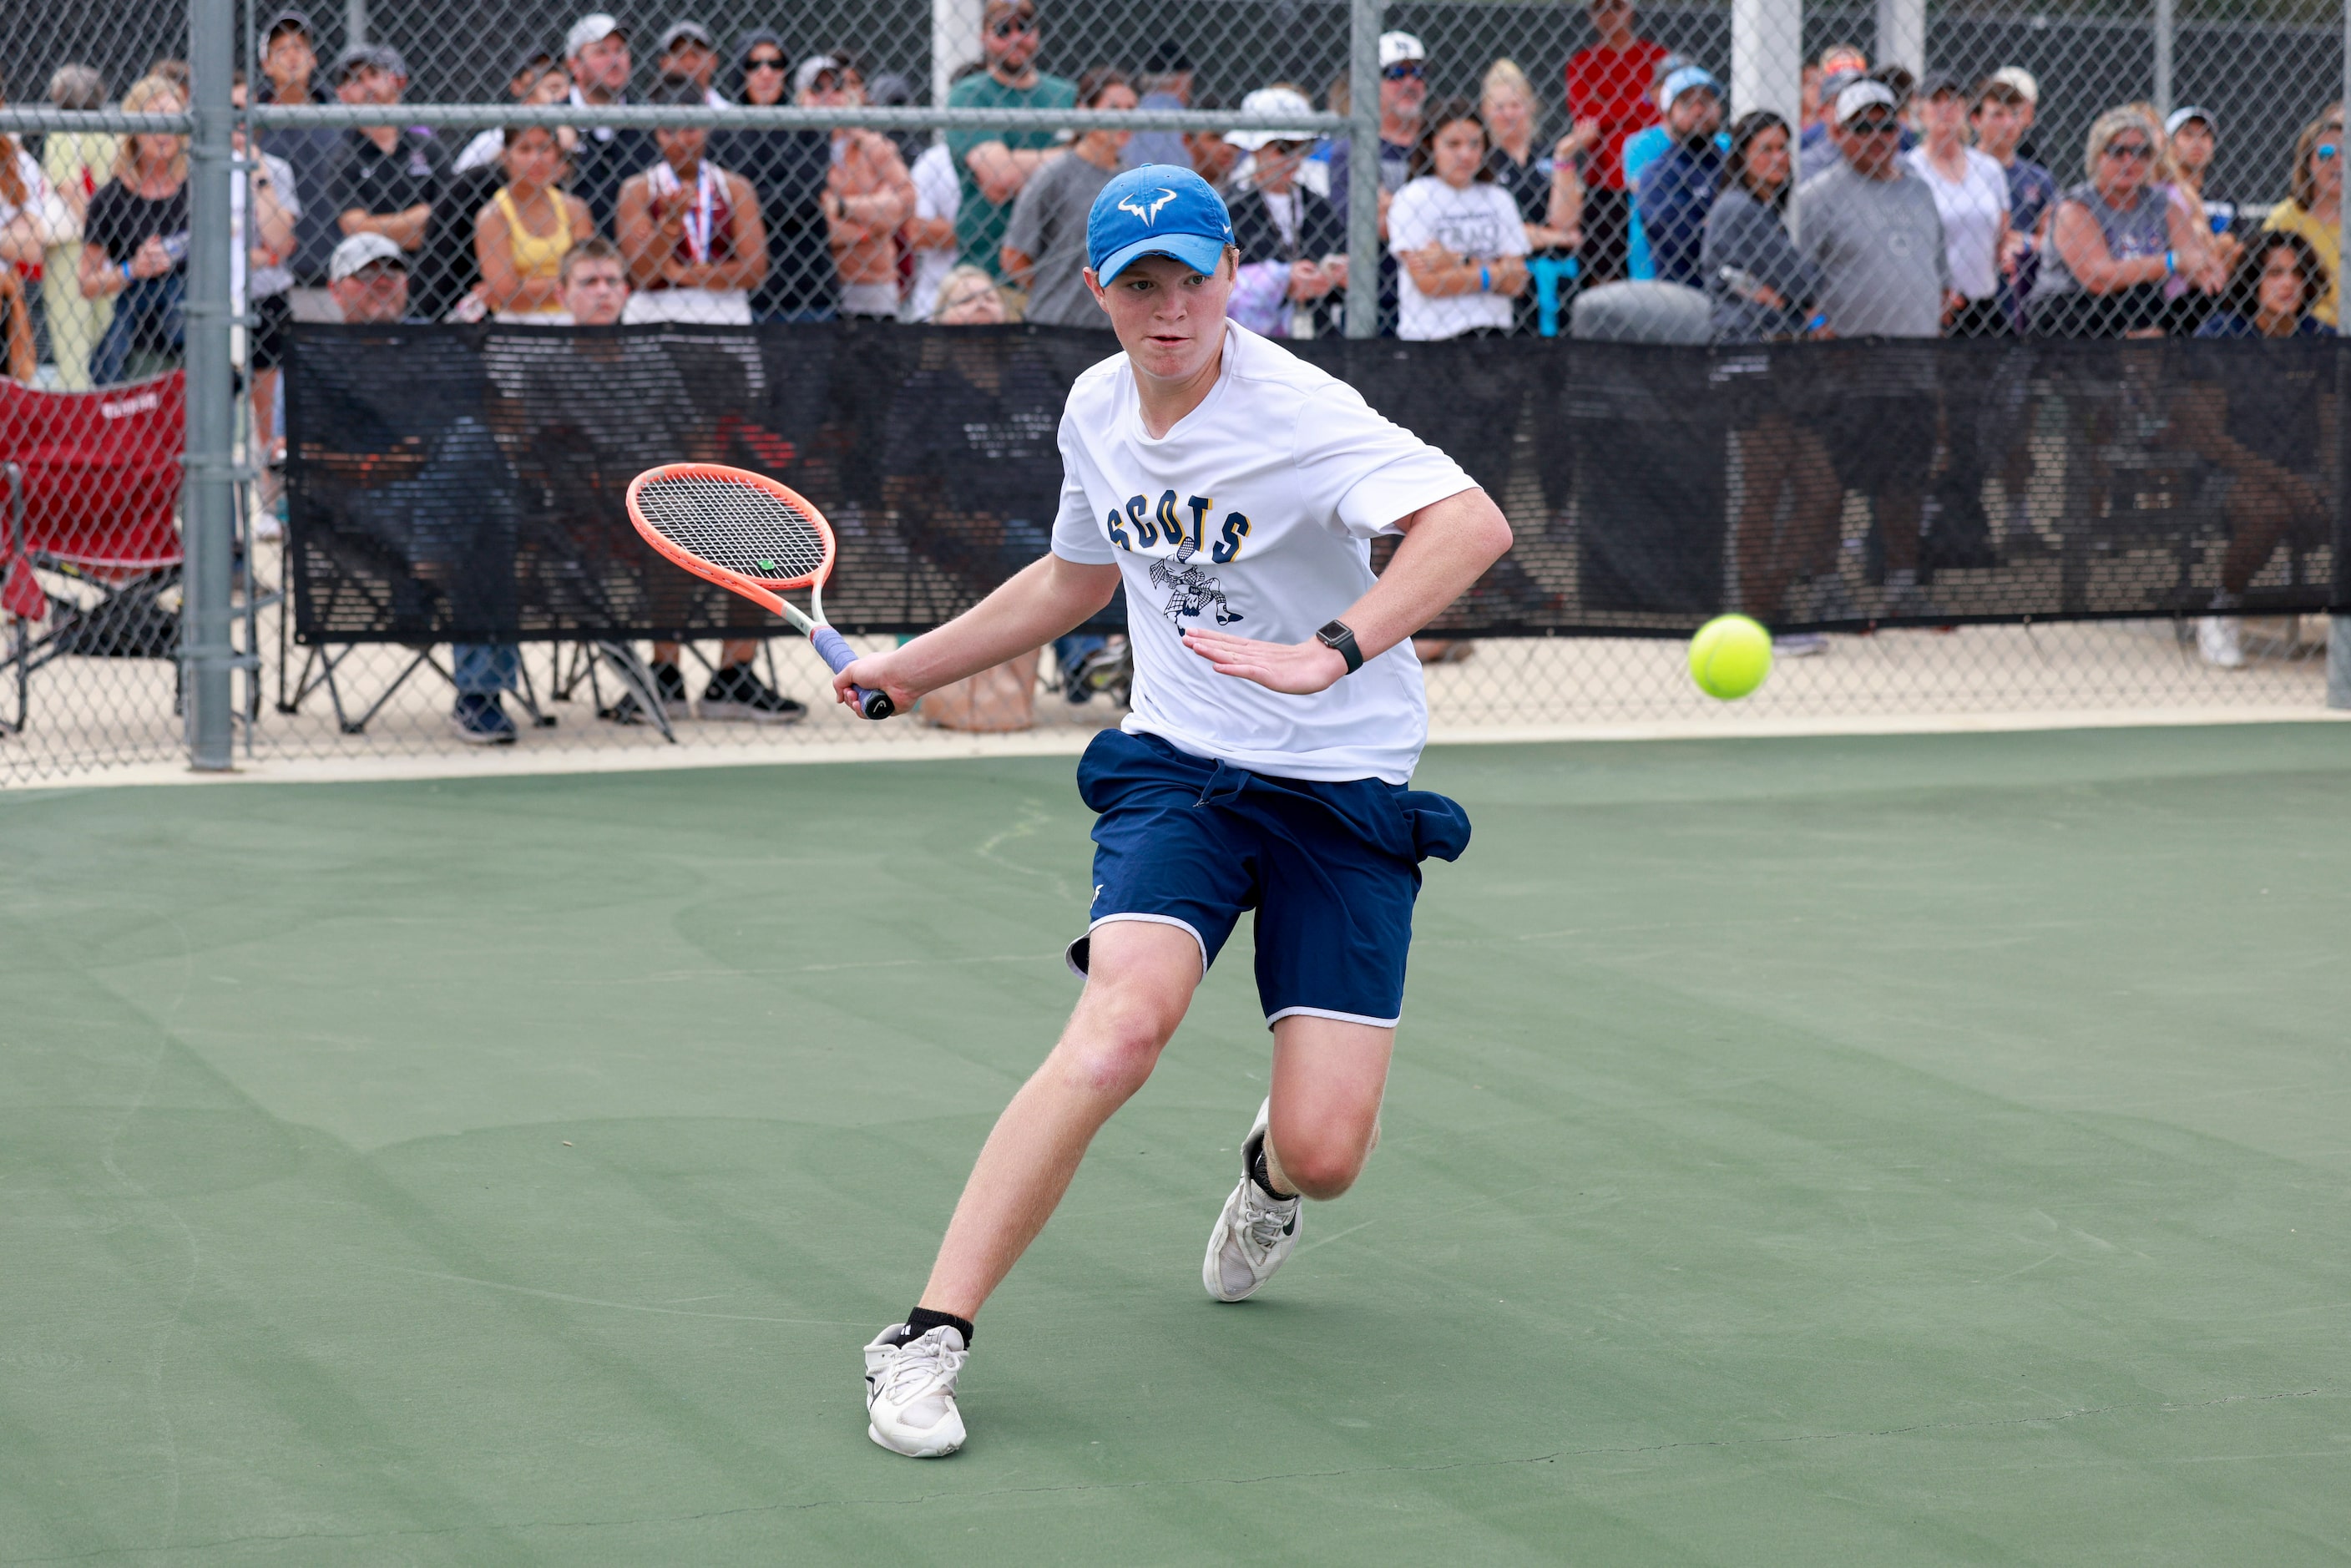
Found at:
(764, 592)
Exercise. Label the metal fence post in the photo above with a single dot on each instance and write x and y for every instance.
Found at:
(954, 38)
(1767, 57)
(208, 533)
(2338, 629)
(1363, 170)
(1902, 34)
(2167, 29)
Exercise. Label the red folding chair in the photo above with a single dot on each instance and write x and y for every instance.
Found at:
(92, 542)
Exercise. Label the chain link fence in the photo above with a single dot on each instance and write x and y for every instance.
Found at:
(529, 165)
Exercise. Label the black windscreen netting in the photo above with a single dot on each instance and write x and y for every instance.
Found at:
(455, 483)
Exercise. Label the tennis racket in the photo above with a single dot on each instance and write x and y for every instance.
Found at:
(751, 535)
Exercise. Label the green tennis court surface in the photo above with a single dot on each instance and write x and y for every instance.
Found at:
(1898, 1150)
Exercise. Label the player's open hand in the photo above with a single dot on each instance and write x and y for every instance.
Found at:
(1298, 668)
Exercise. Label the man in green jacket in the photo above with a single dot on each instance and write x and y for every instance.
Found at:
(993, 165)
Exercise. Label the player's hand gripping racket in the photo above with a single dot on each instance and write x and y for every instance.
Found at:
(747, 534)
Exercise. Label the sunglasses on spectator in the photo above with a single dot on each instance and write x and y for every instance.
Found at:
(765, 63)
(1011, 26)
(1408, 71)
(2129, 150)
(1873, 127)
(1286, 149)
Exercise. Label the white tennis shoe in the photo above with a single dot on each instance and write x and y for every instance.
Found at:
(910, 1391)
(1254, 1233)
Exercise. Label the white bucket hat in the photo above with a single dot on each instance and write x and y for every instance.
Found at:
(1276, 102)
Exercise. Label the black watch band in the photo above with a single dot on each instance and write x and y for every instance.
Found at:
(1340, 635)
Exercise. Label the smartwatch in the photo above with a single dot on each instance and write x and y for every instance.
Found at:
(1340, 635)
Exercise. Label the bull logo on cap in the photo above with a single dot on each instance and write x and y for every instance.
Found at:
(1148, 211)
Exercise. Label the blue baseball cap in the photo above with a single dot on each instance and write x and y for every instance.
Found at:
(1690, 78)
(1156, 210)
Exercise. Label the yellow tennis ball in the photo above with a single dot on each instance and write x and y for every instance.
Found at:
(1729, 656)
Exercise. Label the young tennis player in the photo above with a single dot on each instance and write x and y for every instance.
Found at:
(1277, 714)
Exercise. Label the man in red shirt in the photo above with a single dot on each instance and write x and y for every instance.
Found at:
(1608, 85)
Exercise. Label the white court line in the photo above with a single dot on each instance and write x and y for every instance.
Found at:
(503, 762)
(616, 1306)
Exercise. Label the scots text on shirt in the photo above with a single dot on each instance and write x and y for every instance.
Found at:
(1142, 524)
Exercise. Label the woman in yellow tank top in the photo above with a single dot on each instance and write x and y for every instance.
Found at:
(521, 236)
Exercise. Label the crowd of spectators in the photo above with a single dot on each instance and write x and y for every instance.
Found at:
(800, 226)
(735, 225)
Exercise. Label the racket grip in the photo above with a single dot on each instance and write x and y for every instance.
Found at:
(840, 655)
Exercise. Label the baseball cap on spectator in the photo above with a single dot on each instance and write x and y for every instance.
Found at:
(286, 17)
(1862, 96)
(1156, 210)
(384, 57)
(360, 251)
(2021, 79)
(593, 28)
(2186, 112)
(1167, 59)
(1398, 49)
(352, 57)
(532, 62)
(889, 89)
(1691, 78)
(679, 30)
(815, 66)
(1834, 83)
(1277, 101)
(1940, 84)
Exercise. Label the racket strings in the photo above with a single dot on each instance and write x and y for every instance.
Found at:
(734, 526)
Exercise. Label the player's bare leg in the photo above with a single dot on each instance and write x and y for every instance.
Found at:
(1328, 1079)
(1141, 980)
(1310, 1140)
(1142, 976)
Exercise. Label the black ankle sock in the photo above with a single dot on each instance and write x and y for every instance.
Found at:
(921, 1321)
(1265, 1182)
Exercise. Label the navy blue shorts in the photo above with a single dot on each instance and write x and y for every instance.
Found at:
(1331, 869)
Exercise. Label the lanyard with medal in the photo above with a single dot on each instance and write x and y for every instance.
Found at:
(700, 217)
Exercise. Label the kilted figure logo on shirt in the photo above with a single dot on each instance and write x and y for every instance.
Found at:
(1191, 591)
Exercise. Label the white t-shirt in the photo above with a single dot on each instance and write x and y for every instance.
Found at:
(1972, 209)
(1254, 514)
(1482, 222)
(937, 195)
(1283, 211)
